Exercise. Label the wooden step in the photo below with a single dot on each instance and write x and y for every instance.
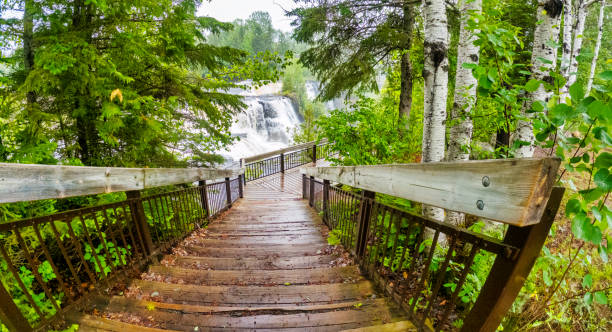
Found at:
(390, 327)
(254, 277)
(333, 320)
(88, 323)
(258, 228)
(269, 251)
(269, 217)
(252, 295)
(259, 241)
(121, 303)
(250, 263)
(227, 233)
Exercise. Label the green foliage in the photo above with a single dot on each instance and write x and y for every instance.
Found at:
(116, 84)
(255, 35)
(349, 39)
(334, 237)
(366, 134)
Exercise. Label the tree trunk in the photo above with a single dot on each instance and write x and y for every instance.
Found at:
(405, 102)
(566, 51)
(549, 13)
(581, 15)
(435, 75)
(465, 96)
(600, 22)
(28, 63)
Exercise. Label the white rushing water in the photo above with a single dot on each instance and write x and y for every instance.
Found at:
(267, 123)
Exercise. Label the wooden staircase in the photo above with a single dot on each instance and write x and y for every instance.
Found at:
(265, 265)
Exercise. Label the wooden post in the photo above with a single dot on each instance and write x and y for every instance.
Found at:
(304, 186)
(326, 201)
(140, 219)
(10, 315)
(314, 154)
(282, 163)
(240, 189)
(228, 191)
(508, 274)
(204, 197)
(365, 214)
(311, 197)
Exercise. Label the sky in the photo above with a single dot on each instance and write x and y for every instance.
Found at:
(229, 10)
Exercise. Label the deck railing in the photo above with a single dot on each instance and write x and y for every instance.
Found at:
(52, 264)
(278, 161)
(428, 266)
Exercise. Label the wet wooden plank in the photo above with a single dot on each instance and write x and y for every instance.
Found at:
(21, 182)
(254, 295)
(273, 251)
(88, 323)
(249, 263)
(513, 191)
(120, 303)
(218, 227)
(260, 241)
(324, 275)
(233, 233)
(365, 315)
(391, 327)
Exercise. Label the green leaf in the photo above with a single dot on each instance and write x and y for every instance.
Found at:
(603, 179)
(546, 277)
(603, 160)
(532, 85)
(601, 134)
(588, 298)
(587, 281)
(606, 75)
(601, 298)
(590, 195)
(572, 206)
(596, 213)
(544, 60)
(579, 224)
(576, 92)
(603, 253)
(468, 65)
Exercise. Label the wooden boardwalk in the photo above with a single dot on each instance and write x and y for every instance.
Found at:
(265, 265)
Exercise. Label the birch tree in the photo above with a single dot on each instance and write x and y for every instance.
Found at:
(543, 59)
(600, 25)
(465, 94)
(578, 36)
(566, 47)
(435, 75)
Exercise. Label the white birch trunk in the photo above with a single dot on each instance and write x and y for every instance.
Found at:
(566, 51)
(465, 96)
(547, 30)
(600, 22)
(581, 16)
(435, 74)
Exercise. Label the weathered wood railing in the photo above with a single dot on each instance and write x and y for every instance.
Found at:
(428, 266)
(53, 264)
(278, 161)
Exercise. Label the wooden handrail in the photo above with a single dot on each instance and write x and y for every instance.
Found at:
(512, 191)
(283, 150)
(25, 182)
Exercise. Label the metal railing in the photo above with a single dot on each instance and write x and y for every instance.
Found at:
(52, 264)
(286, 159)
(427, 266)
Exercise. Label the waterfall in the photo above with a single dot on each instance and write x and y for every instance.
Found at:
(313, 88)
(267, 124)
